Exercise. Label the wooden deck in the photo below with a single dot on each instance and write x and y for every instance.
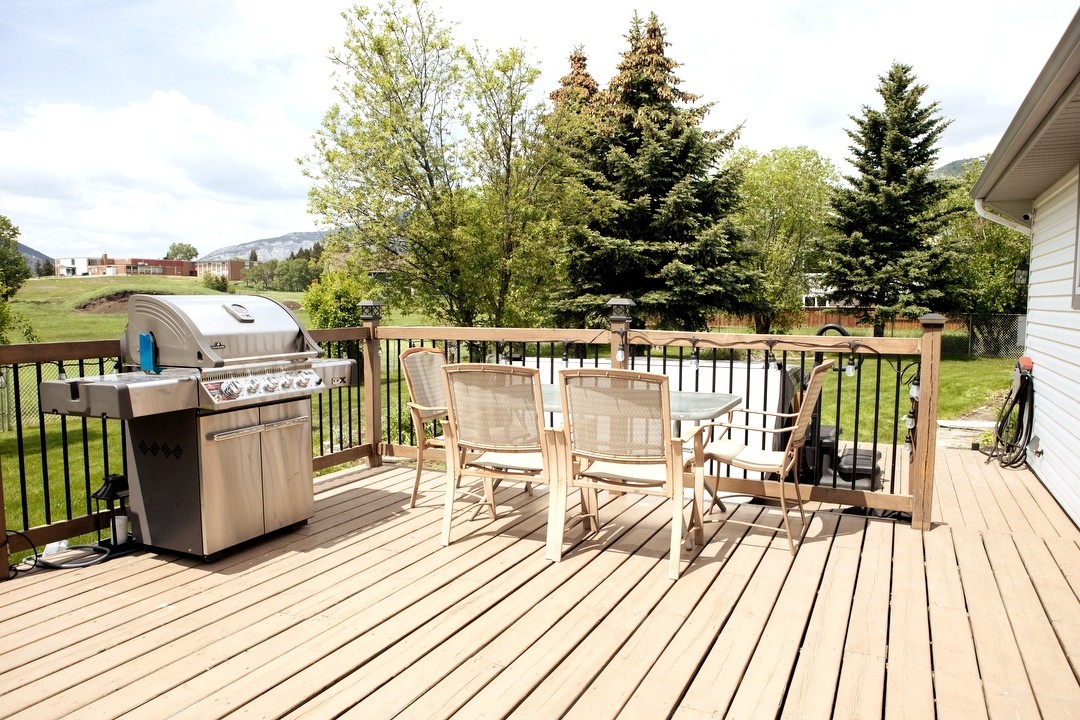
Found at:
(362, 614)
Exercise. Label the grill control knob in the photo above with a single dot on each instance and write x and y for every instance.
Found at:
(303, 381)
(231, 389)
(253, 386)
(286, 382)
(271, 384)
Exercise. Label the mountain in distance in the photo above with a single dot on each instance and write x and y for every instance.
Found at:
(954, 169)
(33, 257)
(276, 248)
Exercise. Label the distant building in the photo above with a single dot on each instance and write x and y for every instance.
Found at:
(233, 270)
(93, 266)
(818, 294)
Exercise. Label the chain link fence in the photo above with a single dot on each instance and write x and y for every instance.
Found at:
(997, 336)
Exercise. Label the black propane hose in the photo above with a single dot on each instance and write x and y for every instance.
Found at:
(1013, 430)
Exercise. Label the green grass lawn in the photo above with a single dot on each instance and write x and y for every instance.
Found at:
(965, 386)
(52, 305)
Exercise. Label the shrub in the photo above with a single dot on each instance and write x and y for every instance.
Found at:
(216, 282)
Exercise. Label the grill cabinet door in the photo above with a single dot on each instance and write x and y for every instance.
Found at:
(232, 493)
(288, 492)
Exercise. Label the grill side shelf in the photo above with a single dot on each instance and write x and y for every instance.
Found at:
(122, 395)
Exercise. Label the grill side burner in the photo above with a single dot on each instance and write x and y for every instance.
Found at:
(217, 406)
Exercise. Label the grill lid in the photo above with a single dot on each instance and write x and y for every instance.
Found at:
(212, 331)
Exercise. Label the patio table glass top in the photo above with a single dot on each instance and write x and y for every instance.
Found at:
(685, 404)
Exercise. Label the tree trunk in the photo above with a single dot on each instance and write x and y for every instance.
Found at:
(763, 323)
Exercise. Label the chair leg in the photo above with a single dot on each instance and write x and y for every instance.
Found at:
(714, 501)
(798, 499)
(556, 518)
(448, 507)
(419, 469)
(784, 510)
(590, 510)
(675, 559)
(489, 497)
(697, 517)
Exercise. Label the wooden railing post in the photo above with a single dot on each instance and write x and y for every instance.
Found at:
(925, 441)
(370, 313)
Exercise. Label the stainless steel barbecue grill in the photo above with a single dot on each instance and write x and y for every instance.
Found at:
(216, 398)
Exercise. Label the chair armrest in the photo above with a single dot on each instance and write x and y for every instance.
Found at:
(754, 428)
(697, 435)
(692, 432)
(768, 413)
(426, 411)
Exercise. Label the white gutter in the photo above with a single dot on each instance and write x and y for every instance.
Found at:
(992, 217)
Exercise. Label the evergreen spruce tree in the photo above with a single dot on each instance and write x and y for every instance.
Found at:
(578, 88)
(659, 228)
(574, 131)
(887, 258)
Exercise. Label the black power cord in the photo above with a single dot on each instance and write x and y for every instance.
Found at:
(16, 568)
(92, 554)
(1013, 430)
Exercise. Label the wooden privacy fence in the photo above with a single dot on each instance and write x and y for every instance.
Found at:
(370, 423)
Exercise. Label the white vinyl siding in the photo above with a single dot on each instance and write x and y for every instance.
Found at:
(1053, 342)
(1076, 255)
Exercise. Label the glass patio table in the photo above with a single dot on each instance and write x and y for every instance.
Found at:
(685, 404)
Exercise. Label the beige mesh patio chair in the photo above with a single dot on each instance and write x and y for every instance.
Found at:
(494, 431)
(773, 466)
(423, 376)
(617, 435)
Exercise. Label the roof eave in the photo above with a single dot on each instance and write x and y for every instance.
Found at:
(1047, 94)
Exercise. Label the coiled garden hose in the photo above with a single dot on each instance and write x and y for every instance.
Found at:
(1012, 433)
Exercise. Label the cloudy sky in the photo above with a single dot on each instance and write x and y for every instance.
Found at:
(128, 125)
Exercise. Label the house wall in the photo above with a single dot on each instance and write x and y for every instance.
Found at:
(1053, 343)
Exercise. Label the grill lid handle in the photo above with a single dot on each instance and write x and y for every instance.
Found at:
(239, 312)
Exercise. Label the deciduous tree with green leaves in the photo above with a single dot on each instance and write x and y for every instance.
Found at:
(428, 170)
(333, 300)
(13, 273)
(886, 257)
(660, 231)
(784, 216)
(987, 255)
(13, 268)
(181, 251)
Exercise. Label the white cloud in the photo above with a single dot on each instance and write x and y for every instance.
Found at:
(133, 124)
(131, 181)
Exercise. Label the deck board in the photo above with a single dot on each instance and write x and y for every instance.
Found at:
(957, 687)
(812, 689)
(361, 613)
(761, 690)
(909, 689)
(1051, 676)
(860, 693)
(1005, 681)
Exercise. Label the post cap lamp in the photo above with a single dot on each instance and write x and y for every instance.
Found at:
(621, 308)
(370, 309)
